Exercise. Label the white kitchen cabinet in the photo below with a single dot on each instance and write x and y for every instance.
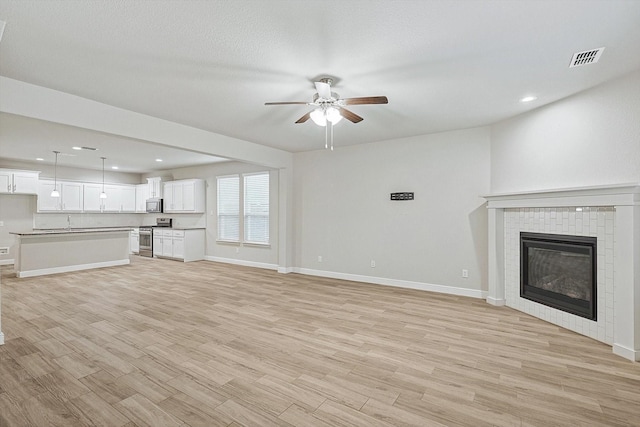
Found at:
(70, 200)
(184, 196)
(167, 243)
(120, 198)
(92, 200)
(178, 244)
(142, 194)
(113, 202)
(157, 243)
(156, 187)
(134, 241)
(183, 245)
(46, 203)
(71, 195)
(18, 181)
(128, 198)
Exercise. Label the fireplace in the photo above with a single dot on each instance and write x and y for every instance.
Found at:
(559, 271)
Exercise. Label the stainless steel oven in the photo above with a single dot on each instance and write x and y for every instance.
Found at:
(146, 235)
(146, 241)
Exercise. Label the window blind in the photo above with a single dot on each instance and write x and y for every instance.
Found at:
(229, 208)
(256, 208)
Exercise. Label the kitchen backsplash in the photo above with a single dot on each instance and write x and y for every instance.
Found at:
(89, 220)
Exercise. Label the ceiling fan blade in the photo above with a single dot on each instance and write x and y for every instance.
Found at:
(287, 103)
(351, 116)
(366, 100)
(324, 90)
(304, 118)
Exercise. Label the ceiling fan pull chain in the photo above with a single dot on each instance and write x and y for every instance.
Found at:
(331, 136)
(326, 137)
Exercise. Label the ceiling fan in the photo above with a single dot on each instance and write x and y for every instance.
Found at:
(329, 107)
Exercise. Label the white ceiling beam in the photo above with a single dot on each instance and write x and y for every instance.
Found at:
(38, 102)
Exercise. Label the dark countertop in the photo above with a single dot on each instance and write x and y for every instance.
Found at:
(47, 231)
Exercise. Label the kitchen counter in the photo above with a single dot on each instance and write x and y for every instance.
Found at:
(51, 251)
(43, 231)
(187, 228)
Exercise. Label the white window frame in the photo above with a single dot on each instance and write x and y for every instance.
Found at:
(242, 216)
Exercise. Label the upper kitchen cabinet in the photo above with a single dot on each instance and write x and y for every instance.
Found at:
(120, 198)
(128, 198)
(18, 181)
(70, 200)
(142, 194)
(184, 196)
(156, 187)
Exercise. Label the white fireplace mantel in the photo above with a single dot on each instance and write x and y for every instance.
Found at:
(625, 201)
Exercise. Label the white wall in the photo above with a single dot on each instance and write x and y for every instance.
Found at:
(592, 138)
(343, 213)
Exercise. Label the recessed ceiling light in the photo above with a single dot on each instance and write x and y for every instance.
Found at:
(158, 160)
(114, 167)
(528, 99)
(77, 148)
(39, 159)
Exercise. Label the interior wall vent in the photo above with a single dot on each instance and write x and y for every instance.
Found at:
(586, 57)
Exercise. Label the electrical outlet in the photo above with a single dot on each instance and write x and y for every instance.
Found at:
(319, 258)
(465, 273)
(373, 264)
(1, 223)
(237, 250)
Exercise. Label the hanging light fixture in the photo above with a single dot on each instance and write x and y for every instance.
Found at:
(103, 195)
(55, 192)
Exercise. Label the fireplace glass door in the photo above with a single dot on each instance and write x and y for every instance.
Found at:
(559, 271)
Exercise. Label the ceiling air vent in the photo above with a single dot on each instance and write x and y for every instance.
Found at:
(586, 57)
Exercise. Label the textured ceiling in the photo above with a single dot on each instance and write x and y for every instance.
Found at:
(213, 64)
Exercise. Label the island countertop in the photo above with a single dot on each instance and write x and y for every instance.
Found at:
(48, 231)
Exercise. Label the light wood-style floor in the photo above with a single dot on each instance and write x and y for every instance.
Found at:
(162, 343)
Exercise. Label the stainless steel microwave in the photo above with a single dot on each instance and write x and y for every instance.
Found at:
(154, 205)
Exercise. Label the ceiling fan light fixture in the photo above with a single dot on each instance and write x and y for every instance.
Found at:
(319, 117)
(333, 115)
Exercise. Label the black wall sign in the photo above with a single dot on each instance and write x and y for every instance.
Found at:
(402, 196)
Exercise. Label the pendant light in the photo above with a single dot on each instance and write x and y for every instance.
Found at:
(55, 192)
(103, 195)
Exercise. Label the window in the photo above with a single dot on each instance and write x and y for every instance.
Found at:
(254, 200)
(229, 208)
(256, 208)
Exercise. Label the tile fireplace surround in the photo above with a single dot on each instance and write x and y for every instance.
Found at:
(609, 213)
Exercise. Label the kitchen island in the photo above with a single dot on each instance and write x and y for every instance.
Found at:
(42, 252)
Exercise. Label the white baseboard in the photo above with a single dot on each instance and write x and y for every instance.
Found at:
(497, 302)
(7, 261)
(1, 338)
(245, 263)
(357, 278)
(627, 353)
(395, 283)
(67, 269)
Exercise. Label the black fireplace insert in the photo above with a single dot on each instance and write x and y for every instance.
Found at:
(559, 271)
